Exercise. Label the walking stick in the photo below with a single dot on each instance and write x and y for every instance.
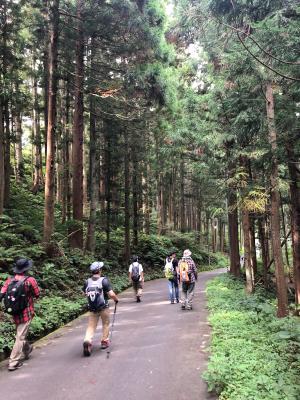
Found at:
(111, 331)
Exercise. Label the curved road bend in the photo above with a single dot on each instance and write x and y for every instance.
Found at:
(158, 353)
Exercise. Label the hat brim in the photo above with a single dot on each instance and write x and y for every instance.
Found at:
(19, 270)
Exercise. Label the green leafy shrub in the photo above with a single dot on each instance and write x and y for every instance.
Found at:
(254, 354)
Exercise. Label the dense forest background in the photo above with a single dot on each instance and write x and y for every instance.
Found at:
(146, 126)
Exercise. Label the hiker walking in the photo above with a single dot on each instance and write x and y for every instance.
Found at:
(19, 293)
(98, 290)
(136, 277)
(188, 276)
(171, 273)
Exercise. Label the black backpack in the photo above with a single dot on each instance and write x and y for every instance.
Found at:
(16, 298)
(95, 295)
(135, 272)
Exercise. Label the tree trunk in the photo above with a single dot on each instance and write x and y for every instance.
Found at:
(253, 246)
(46, 71)
(94, 181)
(76, 238)
(294, 170)
(107, 170)
(284, 233)
(247, 252)
(51, 129)
(19, 152)
(282, 299)
(126, 198)
(147, 210)
(233, 233)
(66, 204)
(2, 176)
(135, 198)
(264, 248)
(38, 173)
(182, 199)
(94, 170)
(7, 138)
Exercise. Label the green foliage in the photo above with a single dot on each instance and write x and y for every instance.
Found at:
(254, 354)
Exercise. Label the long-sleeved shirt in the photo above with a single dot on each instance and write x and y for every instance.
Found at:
(32, 291)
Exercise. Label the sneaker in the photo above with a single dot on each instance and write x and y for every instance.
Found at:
(87, 349)
(183, 307)
(177, 301)
(138, 299)
(17, 366)
(104, 344)
(172, 302)
(27, 351)
(189, 308)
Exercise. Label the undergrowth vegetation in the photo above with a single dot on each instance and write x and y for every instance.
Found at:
(255, 356)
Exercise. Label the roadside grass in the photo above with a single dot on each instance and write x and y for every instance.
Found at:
(254, 355)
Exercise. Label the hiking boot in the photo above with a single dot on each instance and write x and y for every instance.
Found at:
(28, 349)
(104, 344)
(17, 366)
(87, 349)
(138, 299)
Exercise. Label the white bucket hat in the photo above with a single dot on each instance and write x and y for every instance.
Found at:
(187, 253)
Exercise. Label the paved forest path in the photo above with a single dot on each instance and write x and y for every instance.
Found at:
(158, 353)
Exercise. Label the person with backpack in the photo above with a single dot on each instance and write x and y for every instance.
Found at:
(19, 293)
(98, 290)
(171, 273)
(188, 276)
(136, 277)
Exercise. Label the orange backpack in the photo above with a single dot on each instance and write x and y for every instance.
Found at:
(184, 271)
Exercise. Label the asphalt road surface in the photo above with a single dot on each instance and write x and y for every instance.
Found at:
(158, 352)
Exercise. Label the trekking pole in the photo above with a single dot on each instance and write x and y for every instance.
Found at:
(111, 331)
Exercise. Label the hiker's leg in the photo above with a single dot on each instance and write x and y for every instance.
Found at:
(173, 291)
(176, 289)
(17, 351)
(92, 326)
(140, 289)
(135, 289)
(184, 294)
(105, 324)
(190, 294)
(170, 287)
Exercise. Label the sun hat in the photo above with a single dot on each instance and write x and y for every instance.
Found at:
(187, 253)
(22, 265)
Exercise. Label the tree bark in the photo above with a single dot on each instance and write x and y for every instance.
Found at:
(107, 186)
(247, 252)
(294, 170)
(282, 299)
(135, 198)
(76, 238)
(2, 176)
(38, 172)
(51, 129)
(264, 248)
(94, 171)
(126, 198)
(182, 199)
(19, 152)
(233, 233)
